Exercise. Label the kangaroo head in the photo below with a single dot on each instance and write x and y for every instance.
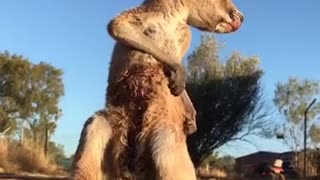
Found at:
(220, 16)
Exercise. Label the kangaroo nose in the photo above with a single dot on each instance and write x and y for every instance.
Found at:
(235, 14)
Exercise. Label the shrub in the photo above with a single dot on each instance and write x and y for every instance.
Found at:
(25, 157)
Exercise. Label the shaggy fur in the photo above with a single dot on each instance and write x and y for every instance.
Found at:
(138, 127)
(142, 115)
(140, 134)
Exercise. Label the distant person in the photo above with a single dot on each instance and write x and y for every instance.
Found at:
(274, 172)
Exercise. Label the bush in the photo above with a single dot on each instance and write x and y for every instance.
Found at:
(25, 157)
(5, 162)
(211, 172)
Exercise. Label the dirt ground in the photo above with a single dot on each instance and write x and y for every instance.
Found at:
(29, 177)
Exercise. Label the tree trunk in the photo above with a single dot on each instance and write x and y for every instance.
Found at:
(46, 141)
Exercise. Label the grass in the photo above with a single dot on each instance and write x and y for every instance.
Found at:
(25, 157)
(212, 172)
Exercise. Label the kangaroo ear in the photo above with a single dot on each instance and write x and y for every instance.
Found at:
(221, 16)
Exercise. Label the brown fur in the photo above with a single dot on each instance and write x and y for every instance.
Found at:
(161, 28)
(143, 92)
(141, 133)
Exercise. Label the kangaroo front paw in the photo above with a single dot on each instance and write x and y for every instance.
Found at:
(177, 79)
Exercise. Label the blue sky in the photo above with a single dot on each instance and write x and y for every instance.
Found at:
(71, 35)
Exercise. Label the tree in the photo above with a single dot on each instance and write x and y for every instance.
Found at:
(13, 95)
(292, 98)
(29, 97)
(227, 97)
(315, 133)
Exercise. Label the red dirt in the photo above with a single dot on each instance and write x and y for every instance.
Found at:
(25, 177)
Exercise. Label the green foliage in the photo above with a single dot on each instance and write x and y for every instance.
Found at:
(292, 98)
(57, 152)
(204, 63)
(315, 133)
(226, 163)
(227, 96)
(29, 97)
(211, 159)
(13, 100)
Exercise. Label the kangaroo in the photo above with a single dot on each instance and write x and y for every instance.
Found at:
(141, 132)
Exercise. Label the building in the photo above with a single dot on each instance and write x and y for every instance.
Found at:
(246, 164)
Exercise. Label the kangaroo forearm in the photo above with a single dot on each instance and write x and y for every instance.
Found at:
(131, 35)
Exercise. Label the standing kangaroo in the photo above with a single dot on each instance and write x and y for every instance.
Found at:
(142, 132)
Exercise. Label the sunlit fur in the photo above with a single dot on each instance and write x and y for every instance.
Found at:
(140, 134)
